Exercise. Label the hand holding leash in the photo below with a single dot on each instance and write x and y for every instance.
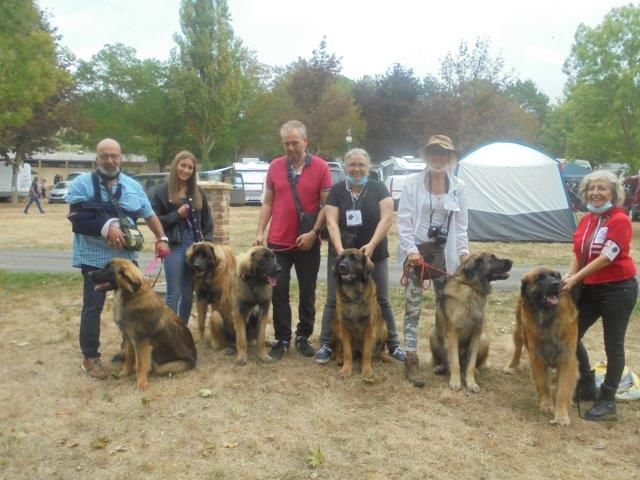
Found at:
(162, 249)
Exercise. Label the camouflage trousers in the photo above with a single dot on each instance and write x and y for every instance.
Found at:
(413, 305)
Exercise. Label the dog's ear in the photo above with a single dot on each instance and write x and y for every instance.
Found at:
(523, 286)
(367, 268)
(188, 255)
(244, 265)
(470, 266)
(334, 268)
(131, 278)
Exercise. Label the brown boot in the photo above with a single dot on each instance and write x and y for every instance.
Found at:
(94, 369)
(414, 375)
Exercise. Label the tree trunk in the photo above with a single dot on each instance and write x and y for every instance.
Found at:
(14, 177)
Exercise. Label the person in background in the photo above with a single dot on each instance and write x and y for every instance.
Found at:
(605, 274)
(184, 213)
(34, 196)
(43, 188)
(359, 213)
(311, 178)
(432, 227)
(98, 239)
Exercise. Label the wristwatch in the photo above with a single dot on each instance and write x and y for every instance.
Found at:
(163, 239)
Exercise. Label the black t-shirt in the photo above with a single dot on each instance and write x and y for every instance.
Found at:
(369, 204)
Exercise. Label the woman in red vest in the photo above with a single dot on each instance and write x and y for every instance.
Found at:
(609, 288)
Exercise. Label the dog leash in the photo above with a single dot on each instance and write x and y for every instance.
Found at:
(152, 267)
(424, 268)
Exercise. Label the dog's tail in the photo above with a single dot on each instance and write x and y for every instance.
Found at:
(176, 366)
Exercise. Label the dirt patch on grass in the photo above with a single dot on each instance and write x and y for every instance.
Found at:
(268, 420)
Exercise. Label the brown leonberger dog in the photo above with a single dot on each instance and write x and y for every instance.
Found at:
(457, 340)
(547, 324)
(213, 267)
(153, 335)
(255, 277)
(358, 324)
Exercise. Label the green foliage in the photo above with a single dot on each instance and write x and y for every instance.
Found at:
(211, 72)
(475, 101)
(315, 458)
(27, 281)
(390, 105)
(603, 90)
(129, 99)
(28, 62)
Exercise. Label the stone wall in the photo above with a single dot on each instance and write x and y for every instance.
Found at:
(218, 197)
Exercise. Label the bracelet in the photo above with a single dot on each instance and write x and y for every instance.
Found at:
(163, 239)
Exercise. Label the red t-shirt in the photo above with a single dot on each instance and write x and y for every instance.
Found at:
(314, 179)
(614, 226)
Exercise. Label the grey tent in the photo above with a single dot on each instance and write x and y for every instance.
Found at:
(515, 193)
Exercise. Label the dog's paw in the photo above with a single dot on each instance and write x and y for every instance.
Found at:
(241, 361)
(473, 387)
(143, 384)
(509, 370)
(367, 375)
(561, 421)
(266, 358)
(455, 385)
(230, 351)
(546, 406)
(345, 371)
(125, 372)
(440, 370)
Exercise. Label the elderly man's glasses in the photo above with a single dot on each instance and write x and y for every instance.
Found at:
(108, 156)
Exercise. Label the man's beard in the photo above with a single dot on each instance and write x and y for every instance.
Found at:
(108, 174)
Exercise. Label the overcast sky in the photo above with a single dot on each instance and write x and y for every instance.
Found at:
(534, 37)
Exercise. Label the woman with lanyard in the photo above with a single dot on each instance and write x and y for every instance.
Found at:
(359, 213)
(432, 236)
(184, 213)
(609, 289)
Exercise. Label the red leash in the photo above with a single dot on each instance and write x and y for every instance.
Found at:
(151, 268)
(425, 274)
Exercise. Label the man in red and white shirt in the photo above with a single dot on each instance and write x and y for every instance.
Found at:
(311, 178)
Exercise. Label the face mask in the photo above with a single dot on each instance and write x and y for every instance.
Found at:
(359, 182)
(601, 209)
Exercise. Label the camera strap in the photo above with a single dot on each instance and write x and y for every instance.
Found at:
(448, 212)
(294, 192)
(121, 216)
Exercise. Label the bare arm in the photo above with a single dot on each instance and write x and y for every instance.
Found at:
(265, 216)
(386, 220)
(331, 214)
(589, 269)
(308, 240)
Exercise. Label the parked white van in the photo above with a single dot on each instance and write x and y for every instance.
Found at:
(254, 173)
(6, 178)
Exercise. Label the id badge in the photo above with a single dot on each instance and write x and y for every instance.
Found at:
(354, 218)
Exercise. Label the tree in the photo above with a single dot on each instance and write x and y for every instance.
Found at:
(390, 105)
(471, 100)
(527, 95)
(603, 89)
(36, 86)
(210, 71)
(313, 91)
(129, 99)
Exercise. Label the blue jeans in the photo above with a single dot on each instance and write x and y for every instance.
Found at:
(179, 296)
(381, 279)
(31, 201)
(92, 304)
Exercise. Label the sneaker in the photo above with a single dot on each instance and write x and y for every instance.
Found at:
(279, 349)
(94, 369)
(399, 354)
(324, 354)
(304, 347)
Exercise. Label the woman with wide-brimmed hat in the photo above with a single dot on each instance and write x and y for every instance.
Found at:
(432, 228)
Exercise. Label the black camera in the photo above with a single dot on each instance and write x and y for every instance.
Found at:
(438, 233)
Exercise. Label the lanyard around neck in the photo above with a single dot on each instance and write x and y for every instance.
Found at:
(354, 198)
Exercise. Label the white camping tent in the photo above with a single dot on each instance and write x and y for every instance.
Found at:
(515, 193)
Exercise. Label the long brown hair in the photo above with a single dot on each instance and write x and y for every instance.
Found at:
(192, 183)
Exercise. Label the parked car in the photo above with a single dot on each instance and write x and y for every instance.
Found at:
(632, 196)
(59, 192)
(337, 172)
(237, 196)
(73, 175)
(150, 181)
(396, 170)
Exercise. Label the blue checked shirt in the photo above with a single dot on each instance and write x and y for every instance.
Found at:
(94, 251)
